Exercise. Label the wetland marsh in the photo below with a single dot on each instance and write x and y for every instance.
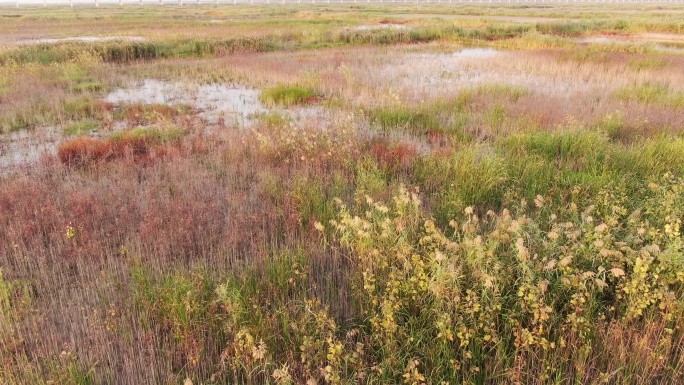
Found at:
(342, 194)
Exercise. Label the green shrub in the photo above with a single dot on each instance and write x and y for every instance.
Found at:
(554, 286)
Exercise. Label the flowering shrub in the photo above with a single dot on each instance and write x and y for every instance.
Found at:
(527, 294)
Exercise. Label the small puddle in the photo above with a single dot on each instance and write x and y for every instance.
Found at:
(600, 40)
(236, 105)
(25, 147)
(446, 73)
(670, 47)
(476, 52)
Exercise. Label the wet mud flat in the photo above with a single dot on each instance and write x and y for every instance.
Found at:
(218, 105)
(441, 74)
(231, 104)
(446, 73)
(27, 147)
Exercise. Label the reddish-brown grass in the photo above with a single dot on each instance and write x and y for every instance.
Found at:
(395, 22)
(84, 150)
(393, 155)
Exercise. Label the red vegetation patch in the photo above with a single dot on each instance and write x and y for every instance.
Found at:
(313, 100)
(395, 22)
(393, 154)
(131, 144)
(83, 151)
(436, 138)
(614, 33)
(101, 105)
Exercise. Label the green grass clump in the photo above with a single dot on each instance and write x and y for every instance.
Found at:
(287, 96)
(541, 162)
(572, 28)
(384, 36)
(402, 117)
(576, 150)
(88, 87)
(647, 63)
(646, 93)
(15, 123)
(314, 199)
(272, 119)
(527, 165)
(147, 135)
(80, 128)
(652, 157)
(649, 93)
(439, 117)
(80, 107)
(475, 175)
(128, 51)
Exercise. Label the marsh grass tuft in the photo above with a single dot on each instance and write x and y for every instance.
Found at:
(80, 128)
(137, 143)
(287, 96)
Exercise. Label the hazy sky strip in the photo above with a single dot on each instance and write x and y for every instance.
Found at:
(189, 2)
(12, 3)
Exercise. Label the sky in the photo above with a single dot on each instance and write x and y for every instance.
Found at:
(84, 2)
(12, 3)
